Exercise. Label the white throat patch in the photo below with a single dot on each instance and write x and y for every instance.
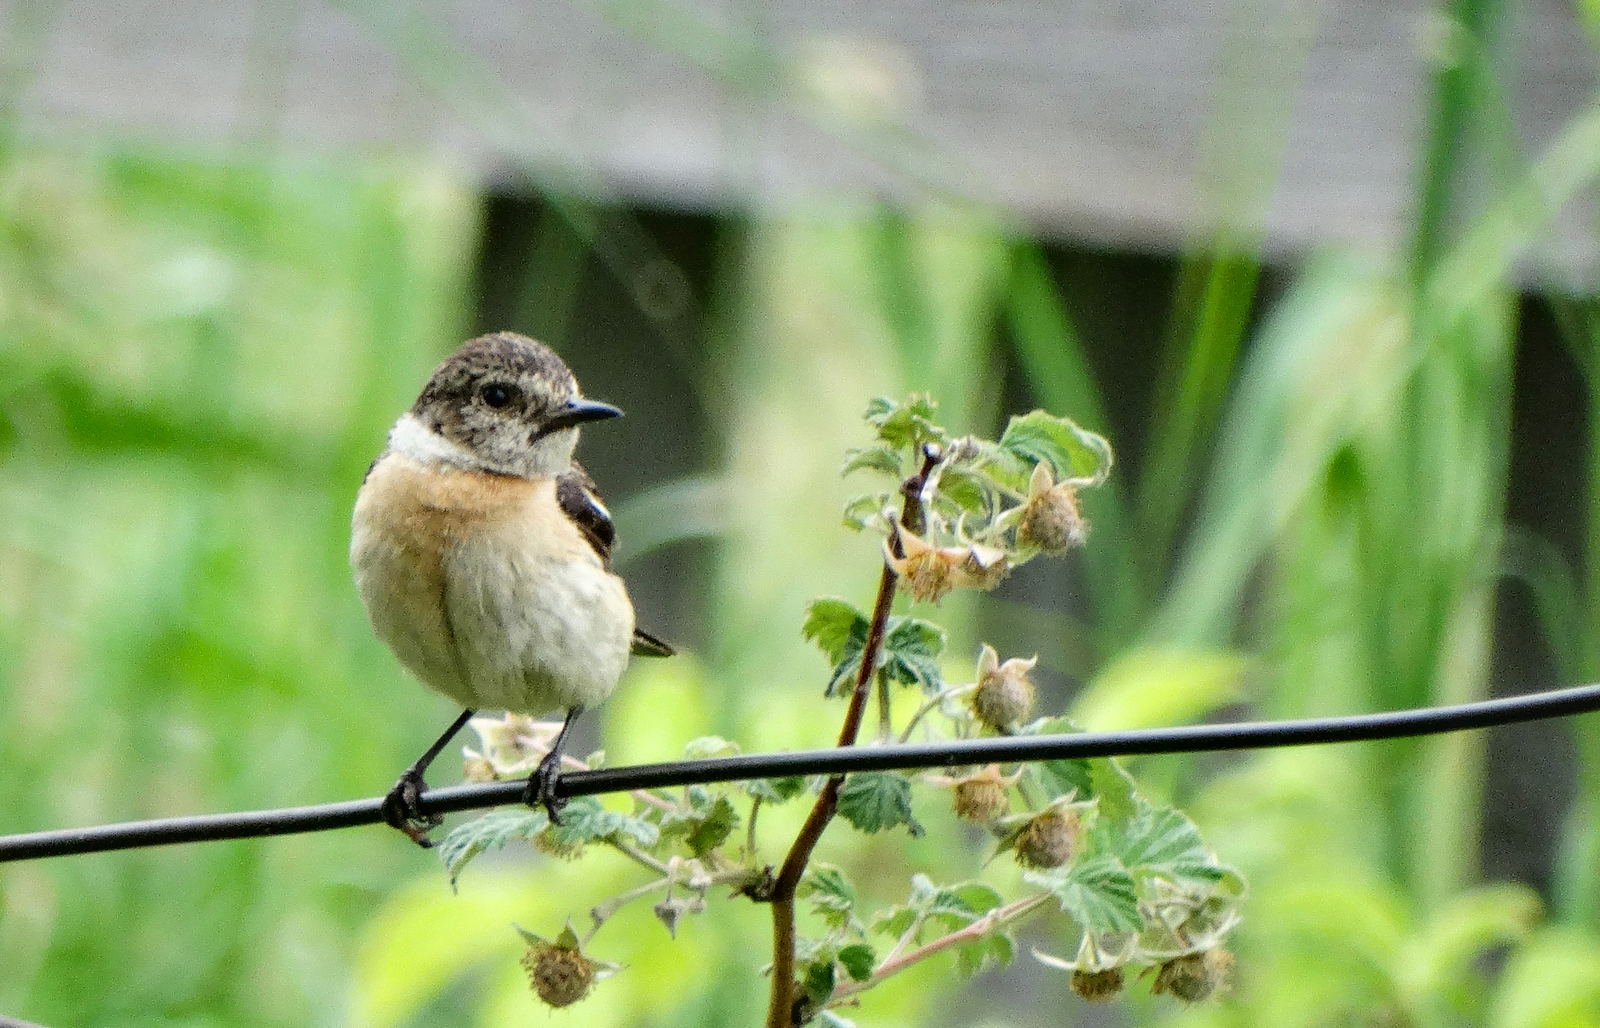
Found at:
(411, 438)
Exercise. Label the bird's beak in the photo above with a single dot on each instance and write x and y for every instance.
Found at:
(575, 413)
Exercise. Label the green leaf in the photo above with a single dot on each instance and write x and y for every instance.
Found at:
(776, 790)
(1098, 892)
(965, 491)
(1164, 843)
(894, 921)
(865, 511)
(1115, 789)
(1060, 777)
(818, 981)
(708, 747)
(858, 960)
(488, 832)
(911, 648)
(831, 894)
(996, 950)
(877, 800)
(833, 1020)
(1073, 452)
(835, 626)
(840, 631)
(583, 820)
(905, 425)
(713, 828)
(873, 458)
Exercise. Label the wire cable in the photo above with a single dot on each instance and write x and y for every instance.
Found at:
(1249, 735)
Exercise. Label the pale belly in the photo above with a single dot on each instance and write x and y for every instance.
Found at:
(488, 595)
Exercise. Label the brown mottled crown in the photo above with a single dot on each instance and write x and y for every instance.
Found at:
(495, 397)
(541, 382)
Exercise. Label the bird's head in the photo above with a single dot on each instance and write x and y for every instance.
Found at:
(507, 404)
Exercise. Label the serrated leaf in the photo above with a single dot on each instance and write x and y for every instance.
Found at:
(996, 950)
(1072, 452)
(831, 894)
(713, 828)
(1097, 892)
(583, 820)
(911, 648)
(818, 981)
(840, 631)
(776, 790)
(865, 511)
(1115, 789)
(858, 959)
(708, 747)
(1060, 777)
(874, 801)
(873, 458)
(1163, 842)
(965, 491)
(488, 832)
(894, 921)
(905, 425)
(834, 625)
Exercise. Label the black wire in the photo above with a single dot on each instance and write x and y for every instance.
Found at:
(1011, 749)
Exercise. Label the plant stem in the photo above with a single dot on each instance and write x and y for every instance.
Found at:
(992, 921)
(780, 1007)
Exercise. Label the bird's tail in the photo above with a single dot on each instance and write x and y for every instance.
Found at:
(647, 645)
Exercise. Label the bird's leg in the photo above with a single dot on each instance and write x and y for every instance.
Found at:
(402, 807)
(541, 788)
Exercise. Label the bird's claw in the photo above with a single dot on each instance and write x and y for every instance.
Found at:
(541, 788)
(402, 809)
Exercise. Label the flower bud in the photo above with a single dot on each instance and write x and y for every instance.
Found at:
(981, 797)
(1098, 986)
(1194, 976)
(1005, 695)
(1049, 840)
(560, 975)
(1051, 521)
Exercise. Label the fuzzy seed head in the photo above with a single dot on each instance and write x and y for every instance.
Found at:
(980, 798)
(1098, 986)
(1051, 520)
(1194, 976)
(1049, 840)
(559, 975)
(1005, 694)
(928, 576)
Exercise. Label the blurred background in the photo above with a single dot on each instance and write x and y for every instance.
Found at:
(1324, 273)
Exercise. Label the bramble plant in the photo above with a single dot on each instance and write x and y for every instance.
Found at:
(1135, 880)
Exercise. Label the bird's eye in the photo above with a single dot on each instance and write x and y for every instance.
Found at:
(496, 395)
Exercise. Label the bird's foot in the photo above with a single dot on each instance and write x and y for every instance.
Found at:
(541, 788)
(402, 809)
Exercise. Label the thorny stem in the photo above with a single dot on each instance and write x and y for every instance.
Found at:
(780, 1007)
(994, 920)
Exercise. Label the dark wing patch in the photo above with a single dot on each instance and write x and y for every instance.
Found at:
(575, 493)
(647, 645)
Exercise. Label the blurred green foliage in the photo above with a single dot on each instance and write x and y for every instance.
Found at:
(197, 360)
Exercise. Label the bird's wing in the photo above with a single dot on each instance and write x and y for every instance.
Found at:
(575, 492)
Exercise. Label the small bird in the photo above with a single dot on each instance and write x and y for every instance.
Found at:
(483, 554)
